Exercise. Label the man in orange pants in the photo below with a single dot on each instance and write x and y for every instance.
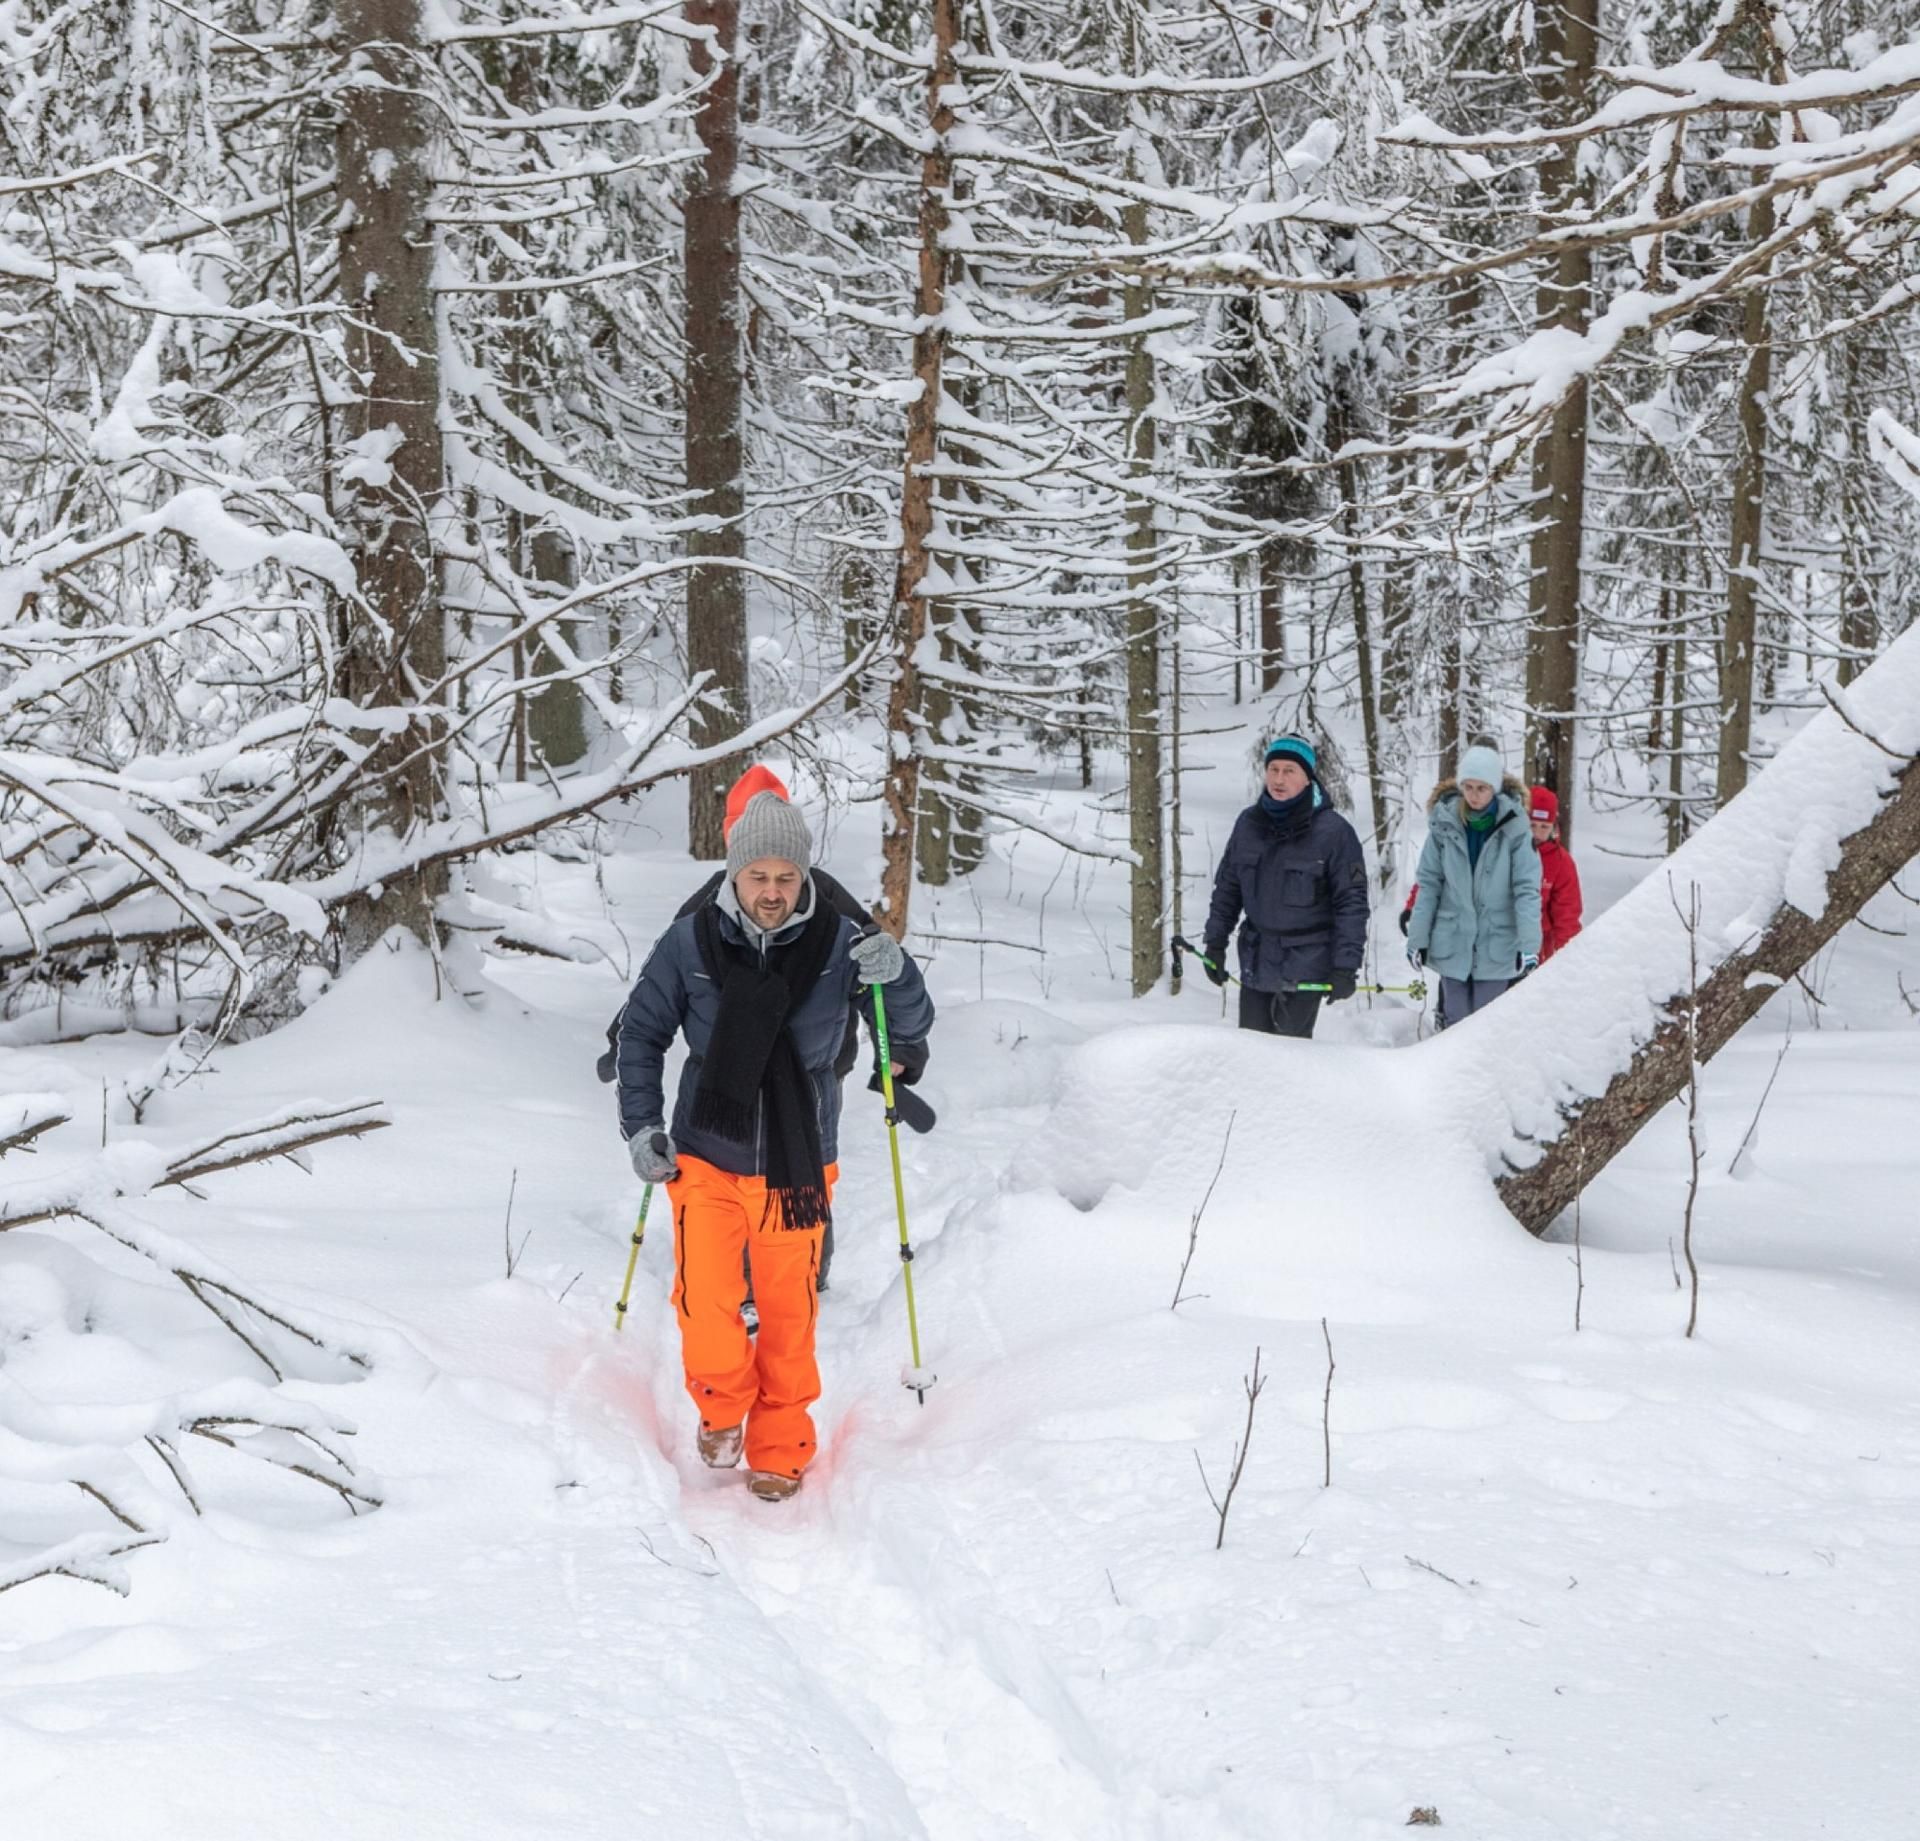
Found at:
(758, 979)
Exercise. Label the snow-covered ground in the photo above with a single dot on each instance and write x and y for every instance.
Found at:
(1612, 1583)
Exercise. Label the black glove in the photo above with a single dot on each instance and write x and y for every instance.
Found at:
(1215, 964)
(1343, 985)
(1406, 918)
(913, 1112)
(912, 1060)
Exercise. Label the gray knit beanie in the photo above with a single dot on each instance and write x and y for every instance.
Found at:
(769, 827)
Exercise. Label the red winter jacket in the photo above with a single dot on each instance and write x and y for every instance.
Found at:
(1559, 898)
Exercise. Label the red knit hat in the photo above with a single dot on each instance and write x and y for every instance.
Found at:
(1544, 806)
(754, 780)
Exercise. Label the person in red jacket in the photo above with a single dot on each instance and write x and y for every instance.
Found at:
(1559, 880)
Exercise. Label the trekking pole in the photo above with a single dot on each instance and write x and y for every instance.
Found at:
(1182, 944)
(915, 1377)
(1372, 990)
(633, 1258)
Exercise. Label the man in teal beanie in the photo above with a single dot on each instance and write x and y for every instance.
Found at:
(1294, 879)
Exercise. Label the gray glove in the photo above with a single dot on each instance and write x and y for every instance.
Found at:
(877, 958)
(654, 1158)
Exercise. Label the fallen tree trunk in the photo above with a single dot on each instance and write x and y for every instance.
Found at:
(1555, 1080)
(1726, 999)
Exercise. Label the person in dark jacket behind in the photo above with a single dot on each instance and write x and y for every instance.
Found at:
(759, 980)
(1294, 878)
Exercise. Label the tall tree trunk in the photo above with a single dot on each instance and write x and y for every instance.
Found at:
(556, 713)
(1463, 306)
(900, 790)
(552, 720)
(1749, 505)
(1677, 684)
(945, 715)
(1145, 791)
(1568, 42)
(968, 844)
(716, 588)
(1663, 626)
(1449, 736)
(1239, 636)
(1398, 587)
(396, 642)
(862, 580)
(1273, 616)
(1858, 632)
(1339, 434)
(1176, 858)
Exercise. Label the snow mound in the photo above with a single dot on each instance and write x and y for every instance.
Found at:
(1343, 1187)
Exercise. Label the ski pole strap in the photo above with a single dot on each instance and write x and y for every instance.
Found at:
(1182, 944)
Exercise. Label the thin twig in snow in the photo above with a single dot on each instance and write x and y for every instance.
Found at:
(1425, 1567)
(1253, 1383)
(1579, 1267)
(1193, 1227)
(1765, 1093)
(1326, 1415)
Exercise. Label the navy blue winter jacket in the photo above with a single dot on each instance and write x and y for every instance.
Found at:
(1304, 899)
(674, 993)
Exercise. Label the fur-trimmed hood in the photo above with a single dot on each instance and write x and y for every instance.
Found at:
(1514, 789)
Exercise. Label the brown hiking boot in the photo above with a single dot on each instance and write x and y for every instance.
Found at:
(720, 1446)
(771, 1486)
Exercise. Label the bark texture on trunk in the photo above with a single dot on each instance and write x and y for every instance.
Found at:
(1728, 997)
(1146, 793)
(1338, 435)
(1568, 46)
(1273, 616)
(557, 713)
(396, 640)
(1450, 675)
(900, 791)
(949, 827)
(1743, 555)
(552, 721)
(716, 588)
(1860, 573)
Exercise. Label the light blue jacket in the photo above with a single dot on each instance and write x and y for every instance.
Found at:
(1475, 920)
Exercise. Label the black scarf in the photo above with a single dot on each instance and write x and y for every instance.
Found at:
(752, 1063)
(1289, 818)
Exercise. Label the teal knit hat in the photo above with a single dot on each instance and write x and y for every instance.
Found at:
(1293, 748)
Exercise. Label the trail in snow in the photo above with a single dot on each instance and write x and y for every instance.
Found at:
(1612, 1584)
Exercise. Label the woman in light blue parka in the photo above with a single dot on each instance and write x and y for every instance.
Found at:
(1476, 919)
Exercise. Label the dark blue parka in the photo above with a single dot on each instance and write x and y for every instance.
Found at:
(1303, 896)
(674, 993)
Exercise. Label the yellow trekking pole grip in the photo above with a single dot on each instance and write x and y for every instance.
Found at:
(633, 1258)
(915, 1377)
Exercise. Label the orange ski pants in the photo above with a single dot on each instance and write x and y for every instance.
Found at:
(770, 1380)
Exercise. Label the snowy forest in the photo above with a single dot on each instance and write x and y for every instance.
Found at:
(442, 446)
